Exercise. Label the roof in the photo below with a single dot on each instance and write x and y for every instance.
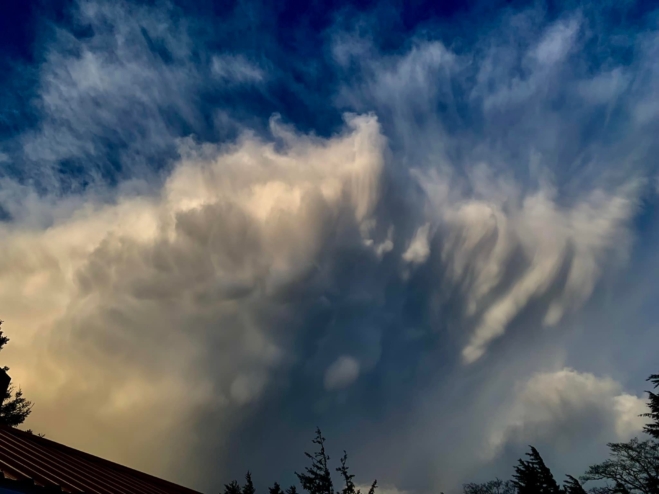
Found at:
(30, 460)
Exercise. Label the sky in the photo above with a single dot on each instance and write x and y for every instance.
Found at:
(428, 228)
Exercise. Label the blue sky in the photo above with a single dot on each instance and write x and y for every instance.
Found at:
(428, 228)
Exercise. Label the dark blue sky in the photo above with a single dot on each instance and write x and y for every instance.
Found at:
(427, 227)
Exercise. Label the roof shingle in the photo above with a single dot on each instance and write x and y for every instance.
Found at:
(27, 457)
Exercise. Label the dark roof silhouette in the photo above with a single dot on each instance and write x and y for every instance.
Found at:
(31, 463)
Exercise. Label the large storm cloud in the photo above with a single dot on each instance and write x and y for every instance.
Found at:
(411, 238)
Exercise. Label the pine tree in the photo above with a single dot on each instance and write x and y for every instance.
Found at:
(232, 488)
(291, 490)
(14, 408)
(248, 488)
(349, 487)
(317, 478)
(534, 477)
(496, 486)
(276, 489)
(526, 478)
(653, 428)
(573, 486)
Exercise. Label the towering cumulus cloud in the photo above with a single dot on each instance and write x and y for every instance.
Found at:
(122, 300)
(430, 236)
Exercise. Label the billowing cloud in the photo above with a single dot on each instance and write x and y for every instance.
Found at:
(569, 416)
(127, 305)
(561, 407)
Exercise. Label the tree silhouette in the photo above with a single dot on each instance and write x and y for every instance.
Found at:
(531, 477)
(276, 489)
(14, 408)
(349, 485)
(633, 468)
(291, 490)
(317, 478)
(248, 488)
(573, 486)
(652, 428)
(534, 477)
(496, 486)
(232, 487)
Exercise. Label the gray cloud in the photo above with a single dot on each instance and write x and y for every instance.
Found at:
(341, 373)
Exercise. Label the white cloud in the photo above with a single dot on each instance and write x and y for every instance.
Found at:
(557, 42)
(546, 243)
(419, 249)
(407, 83)
(564, 407)
(512, 74)
(341, 373)
(138, 315)
(236, 69)
(387, 245)
(117, 85)
(605, 88)
(506, 242)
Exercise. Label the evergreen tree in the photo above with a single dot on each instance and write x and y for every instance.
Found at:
(496, 486)
(291, 490)
(14, 408)
(317, 478)
(653, 428)
(276, 489)
(573, 486)
(349, 487)
(534, 477)
(248, 488)
(232, 488)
